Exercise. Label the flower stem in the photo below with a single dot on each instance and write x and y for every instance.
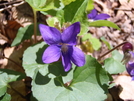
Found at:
(35, 25)
(111, 50)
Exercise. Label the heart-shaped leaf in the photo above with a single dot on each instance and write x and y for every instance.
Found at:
(5, 97)
(75, 12)
(88, 81)
(23, 34)
(43, 5)
(113, 65)
(7, 76)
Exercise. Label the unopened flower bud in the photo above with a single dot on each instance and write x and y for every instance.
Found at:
(128, 59)
(127, 47)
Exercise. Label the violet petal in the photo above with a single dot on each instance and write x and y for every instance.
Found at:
(66, 61)
(51, 54)
(101, 16)
(132, 72)
(50, 34)
(70, 33)
(93, 14)
(77, 56)
(132, 78)
(132, 55)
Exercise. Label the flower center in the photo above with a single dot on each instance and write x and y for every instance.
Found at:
(90, 20)
(64, 48)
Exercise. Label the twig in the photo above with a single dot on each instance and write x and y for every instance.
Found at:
(7, 5)
(123, 9)
(3, 37)
(11, 61)
(35, 25)
(10, 3)
(111, 50)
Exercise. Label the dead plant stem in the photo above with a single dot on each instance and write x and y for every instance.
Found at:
(11, 61)
(35, 25)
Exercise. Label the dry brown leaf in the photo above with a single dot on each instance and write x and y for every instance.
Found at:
(127, 7)
(127, 87)
(11, 29)
(18, 91)
(15, 54)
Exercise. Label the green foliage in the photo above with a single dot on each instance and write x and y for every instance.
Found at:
(113, 65)
(23, 34)
(101, 23)
(96, 44)
(3, 83)
(7, 76)
(5, 97)
(47, 78)
(13, 75)
(52, 21)
(60, 17)
(43, 5)
(66, 2)
(92, 72)
(106, 42)
(49, 81)
(90, 6)
(88, 81)
(75, 11)
(33, 61)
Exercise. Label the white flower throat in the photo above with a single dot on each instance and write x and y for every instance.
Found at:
(64, 47)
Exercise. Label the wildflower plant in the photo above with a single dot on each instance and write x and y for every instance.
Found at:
(59, 69)
(128, 59)
(62, 45)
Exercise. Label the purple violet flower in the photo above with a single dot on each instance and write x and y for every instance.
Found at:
(62, 45)
(130, 65)
(95, 16)
(129, 58)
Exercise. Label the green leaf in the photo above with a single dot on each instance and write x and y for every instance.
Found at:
(101, 23)
(92, 72)
(43, 5)
(113, 65)
(7, 76)
(117, 56)
(23, 34)
(66, 2)
(88, 81)
(3, 83)
(32, 58)
(106, 42)
(5, 97)
(60, 17)
(14, 75)
(36, 3)
(52, 21)
(49, 12)
(84, 27)
(90, 5)
(96, 44)
(75, 11)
